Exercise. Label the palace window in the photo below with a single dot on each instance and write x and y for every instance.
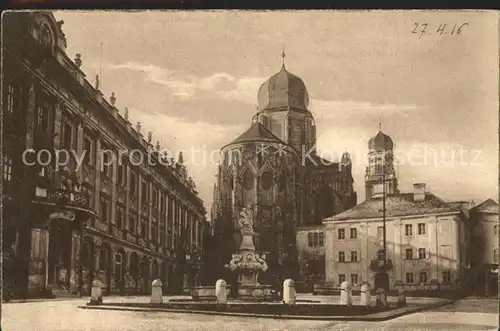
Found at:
(133, 183)
(104, 211)
(422, 277)
(408, 254)
(67, 135)
(155, 198)
(409, 278)
(341, 278)
(341, 257)
(154, 232)
(421, 254)
(10, 98)
(354, 279)
(495, 230)
(131, 222)
(144, 188)
(421, 228)
(42, 119)
(408, 230)
(315, 239)
(354, 233)
(7, 168)
(144, 228)
(266, 180)
(122, 173)
(354, 256)
(341, 233)
(87, 147)
(107, 159)
(446, 277)
(119, 217)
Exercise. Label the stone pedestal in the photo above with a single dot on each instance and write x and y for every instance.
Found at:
(401, 297)
(365, 297)
(289, 294)
(156, 291)
(345, 294)
(96, 293)
(220, 291)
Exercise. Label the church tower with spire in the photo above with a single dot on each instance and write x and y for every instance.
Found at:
(380, 167)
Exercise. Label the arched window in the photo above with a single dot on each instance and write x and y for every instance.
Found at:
(282, 182)
(248, 180)
(266, 180)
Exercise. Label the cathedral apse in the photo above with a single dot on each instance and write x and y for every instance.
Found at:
(265, 168)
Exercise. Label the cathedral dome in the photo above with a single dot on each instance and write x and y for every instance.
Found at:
(283, 90)
(381, 142)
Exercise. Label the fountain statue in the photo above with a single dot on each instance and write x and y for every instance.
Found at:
(247, 263)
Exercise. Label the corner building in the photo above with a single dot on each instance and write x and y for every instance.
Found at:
(125, 223)
(273, 167)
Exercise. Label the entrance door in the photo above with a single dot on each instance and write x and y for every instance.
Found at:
(59, 255)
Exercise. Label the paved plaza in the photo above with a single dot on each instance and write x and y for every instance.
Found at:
(64, 315)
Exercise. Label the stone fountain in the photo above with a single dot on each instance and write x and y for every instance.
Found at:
(247, 264)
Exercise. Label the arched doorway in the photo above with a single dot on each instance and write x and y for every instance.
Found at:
(105, 266)
(155, 274)
(59, 255)
(119, 270)
(88, 264)
(145, 275)
(134, 270)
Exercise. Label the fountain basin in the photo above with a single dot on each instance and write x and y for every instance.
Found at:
(255, 292)
(206, 293)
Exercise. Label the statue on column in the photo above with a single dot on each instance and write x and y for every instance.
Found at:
(246, 221)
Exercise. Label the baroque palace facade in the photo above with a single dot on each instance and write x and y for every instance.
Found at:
(125, 222)
(274, 169)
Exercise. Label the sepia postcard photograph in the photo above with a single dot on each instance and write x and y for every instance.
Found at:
(249, 170)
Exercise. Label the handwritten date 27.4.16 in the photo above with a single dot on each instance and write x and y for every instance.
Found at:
(422, 29)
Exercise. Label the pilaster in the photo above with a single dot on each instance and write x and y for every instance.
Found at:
(127, 198)
(150, 210)
(98, 166)
(397, 256)
(114, 179)
(434, 249)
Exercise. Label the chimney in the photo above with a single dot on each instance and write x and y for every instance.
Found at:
(419, 192)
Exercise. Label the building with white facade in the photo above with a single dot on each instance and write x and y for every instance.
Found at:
(425, 236)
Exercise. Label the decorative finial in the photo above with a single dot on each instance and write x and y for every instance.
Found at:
(126, 113)
(112, 98)
(180, 159)
(157, 146)
(283, 56)
(78, 60)
(138, 127)
(150, 137)
(96, 82)
(380, 124)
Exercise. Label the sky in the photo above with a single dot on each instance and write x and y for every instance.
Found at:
(192, 79)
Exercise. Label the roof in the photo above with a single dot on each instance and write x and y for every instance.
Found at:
(381, 142)
(488, 205)
(257, 133)
(396, 205)
(283, 90)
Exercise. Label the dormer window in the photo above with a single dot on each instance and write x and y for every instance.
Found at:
(45, 35)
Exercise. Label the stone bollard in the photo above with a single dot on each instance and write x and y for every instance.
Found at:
(365, 297)
(345, 294)
(401, 297)
(96, 292)
(220, 291)
(156, 291)
(381, 298)
(289, 294)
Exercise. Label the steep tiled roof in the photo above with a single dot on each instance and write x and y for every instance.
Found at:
(256, 133)
(487, 205)
(396, 205)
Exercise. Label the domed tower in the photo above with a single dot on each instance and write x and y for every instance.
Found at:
(380, 167)
(283, 109)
